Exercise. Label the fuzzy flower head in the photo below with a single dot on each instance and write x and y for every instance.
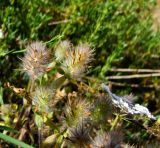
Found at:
(101, 140)
(77, 60)
(42, 99)
(76, 109)
(101, 111)
(36, 59)
(61, 50)
(79, 134)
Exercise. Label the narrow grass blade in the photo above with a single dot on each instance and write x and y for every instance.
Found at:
(14, 141)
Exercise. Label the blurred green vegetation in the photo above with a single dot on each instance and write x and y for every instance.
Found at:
(121, 31)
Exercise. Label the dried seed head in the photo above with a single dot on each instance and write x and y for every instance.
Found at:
(77, 60)
(42, 99)
(61, 49)
(79, 134)
(101, 141)
(76, 109)
(108, 140)
(36, 59)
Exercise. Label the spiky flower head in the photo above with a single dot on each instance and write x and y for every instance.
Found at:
(76, 109)
(36, 59)
(79, 135)
(101, 140)
(61, 49)
(102, 110)
(77, 60)
(42, 99)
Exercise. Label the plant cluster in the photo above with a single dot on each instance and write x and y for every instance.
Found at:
(49, 95)
(61, 109)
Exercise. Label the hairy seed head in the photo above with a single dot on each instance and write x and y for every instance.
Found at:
(108, 140)
(79, 134)
(76, 109)
(77, 60)
(36, 59)
(101, 140)
(42, 99)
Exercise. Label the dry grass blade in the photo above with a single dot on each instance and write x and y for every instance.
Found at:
(134, 70)
(135, 76)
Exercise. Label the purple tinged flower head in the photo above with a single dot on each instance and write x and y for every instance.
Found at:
(79, 135)
(36, 59)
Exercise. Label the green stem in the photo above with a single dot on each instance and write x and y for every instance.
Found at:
(30, 85)
(114, 122)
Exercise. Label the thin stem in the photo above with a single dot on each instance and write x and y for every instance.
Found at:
(39, 137)
(134, 70)
(133, 76)
(29, 85)
(151, 86)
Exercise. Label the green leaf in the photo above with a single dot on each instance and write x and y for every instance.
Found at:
(20, 51)
(4, 53)
(50, 140)
(55, 39)
(58, 82)
(14, 141)
(38, 120)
